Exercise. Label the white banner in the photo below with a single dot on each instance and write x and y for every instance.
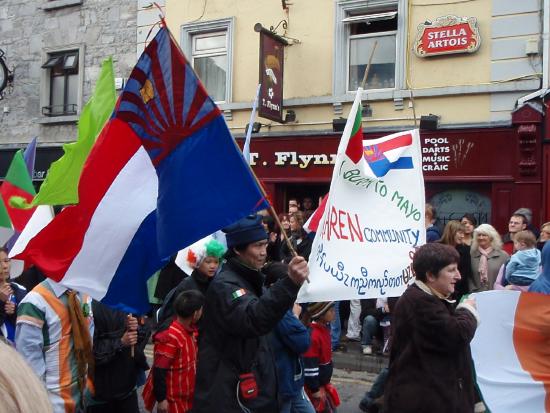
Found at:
(373, 219)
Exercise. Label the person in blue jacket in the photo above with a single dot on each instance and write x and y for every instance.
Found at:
(288, 340)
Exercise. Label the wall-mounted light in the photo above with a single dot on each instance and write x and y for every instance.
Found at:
(290, 116)
(256, 126)
(339, 124)
(429, 122)
(367, 111)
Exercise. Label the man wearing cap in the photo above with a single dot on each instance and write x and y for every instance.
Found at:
(235, 366)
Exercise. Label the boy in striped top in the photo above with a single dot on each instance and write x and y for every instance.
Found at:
(171, 381)
(53, 334)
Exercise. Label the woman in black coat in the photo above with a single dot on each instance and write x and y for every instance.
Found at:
(430, 361)
(453, 235)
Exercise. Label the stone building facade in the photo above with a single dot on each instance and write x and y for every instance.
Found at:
(70, 38)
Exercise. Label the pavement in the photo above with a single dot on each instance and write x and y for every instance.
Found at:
(353, 374)
(353, 359)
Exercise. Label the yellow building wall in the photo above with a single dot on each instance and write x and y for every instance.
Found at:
(309, 64)
(454, 69)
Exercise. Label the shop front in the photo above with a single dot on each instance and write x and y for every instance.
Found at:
(489, 172)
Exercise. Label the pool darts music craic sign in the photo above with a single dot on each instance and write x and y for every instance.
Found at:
(447, 35)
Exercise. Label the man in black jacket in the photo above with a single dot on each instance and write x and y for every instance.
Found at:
(235, 365)
(116, 368)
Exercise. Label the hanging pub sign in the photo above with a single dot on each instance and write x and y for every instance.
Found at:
(272, 48)
(446, 35)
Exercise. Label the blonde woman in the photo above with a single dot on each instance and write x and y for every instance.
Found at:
(487, 258)
(544, 235)
(20, 390)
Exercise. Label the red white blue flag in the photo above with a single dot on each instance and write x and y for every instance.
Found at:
(164, 172)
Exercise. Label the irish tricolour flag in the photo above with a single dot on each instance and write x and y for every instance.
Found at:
(511, 351)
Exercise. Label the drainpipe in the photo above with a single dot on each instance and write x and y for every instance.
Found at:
(545, 42)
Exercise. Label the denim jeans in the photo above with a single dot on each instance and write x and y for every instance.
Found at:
(370, 326)
(298, 404)
(335, 327)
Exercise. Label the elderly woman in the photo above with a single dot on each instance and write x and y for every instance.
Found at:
(487, 258)
(430, 361)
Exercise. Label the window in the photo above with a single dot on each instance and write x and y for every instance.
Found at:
(208, 47)
(63, 75)
(209, 59)
(359, 24)
(365, 30)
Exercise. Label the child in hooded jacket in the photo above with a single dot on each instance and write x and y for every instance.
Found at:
(524, 266)
(318, 359)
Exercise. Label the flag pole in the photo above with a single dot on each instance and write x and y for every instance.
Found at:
(367, 69)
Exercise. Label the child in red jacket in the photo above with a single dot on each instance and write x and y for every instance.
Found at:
(318, 359)
(171, 381)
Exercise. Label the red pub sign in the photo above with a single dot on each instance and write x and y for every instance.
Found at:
(446, 35)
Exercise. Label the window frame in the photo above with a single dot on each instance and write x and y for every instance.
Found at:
(46, 82)
(190, 30)
(340, 79)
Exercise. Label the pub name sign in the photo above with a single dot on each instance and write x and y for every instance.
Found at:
(446, 35)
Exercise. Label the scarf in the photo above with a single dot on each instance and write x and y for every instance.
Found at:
(483, 263)
(81, 339)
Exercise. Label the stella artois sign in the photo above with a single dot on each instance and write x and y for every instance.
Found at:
(447, 34)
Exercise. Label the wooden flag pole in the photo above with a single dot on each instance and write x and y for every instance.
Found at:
(367, 69)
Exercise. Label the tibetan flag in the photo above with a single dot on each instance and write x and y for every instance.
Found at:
(164, 172)
(61, 184)
(511, 351)
(18, 183)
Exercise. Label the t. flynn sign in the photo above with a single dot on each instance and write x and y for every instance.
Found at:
(446, 35)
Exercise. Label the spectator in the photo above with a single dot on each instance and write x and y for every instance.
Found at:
(273, 245)
(378, 323)
(31, 277)
(528, 214)
(298, 238)
(309, 209)
(293, 206)
(234, 353)
(542, 283)
(168, 279)
(487, 258)
(54, 335)
(115, 376)
(201, 260)
(354, 322)
(432, 232)
(430, 362)
(469, 222)
(544, 235)
(20, 390)
(453, 235)
(11, 294)
(517, 223)
(289, 340)
(524, 266)
(171, 381)
(318, 358)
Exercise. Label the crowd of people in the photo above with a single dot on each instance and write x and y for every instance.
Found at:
(231, 337)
